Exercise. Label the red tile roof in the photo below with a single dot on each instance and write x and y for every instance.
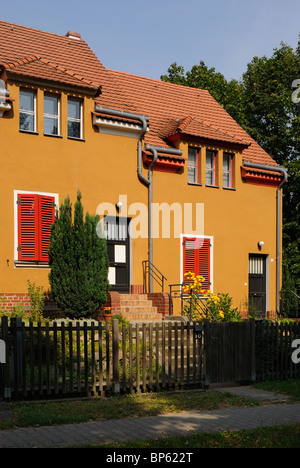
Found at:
(173, 109)
(17, 42)
(39, 68)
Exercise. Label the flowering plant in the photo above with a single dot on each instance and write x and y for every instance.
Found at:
(219, 305)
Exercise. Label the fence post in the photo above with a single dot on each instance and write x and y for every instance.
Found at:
(6, 389)
(252, 348)
(16, 322)
(207, 358)
(115, 350)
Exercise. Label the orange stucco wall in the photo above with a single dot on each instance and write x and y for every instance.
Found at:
(104, 167)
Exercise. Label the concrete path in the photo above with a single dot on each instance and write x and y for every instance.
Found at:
(98, 432)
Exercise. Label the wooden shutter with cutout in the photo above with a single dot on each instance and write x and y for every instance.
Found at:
(196, 258)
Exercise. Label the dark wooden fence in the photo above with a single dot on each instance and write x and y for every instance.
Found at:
(63, 359)
(274, 350)
(229, 352)
(98, 358)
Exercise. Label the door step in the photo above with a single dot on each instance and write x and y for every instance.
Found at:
(138, 308)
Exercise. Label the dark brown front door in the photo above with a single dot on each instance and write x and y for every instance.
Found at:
(118, 247)
(257, 285)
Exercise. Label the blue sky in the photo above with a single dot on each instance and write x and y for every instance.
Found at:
(145, 37)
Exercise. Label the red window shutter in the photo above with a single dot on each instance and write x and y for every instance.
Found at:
(204, 262)
(35, 217)
(46, 218)
(196, 258)
(27, 227)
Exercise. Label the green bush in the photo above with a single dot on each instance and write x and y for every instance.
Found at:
(79, 262)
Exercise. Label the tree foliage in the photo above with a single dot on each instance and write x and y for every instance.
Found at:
(261, 102)
(78, 260)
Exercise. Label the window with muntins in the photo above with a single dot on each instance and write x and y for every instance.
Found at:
(27, 114)
(35, 217)
(211, 168)
(74, 118)
(193, 166)
(51, 115)
(227, 170)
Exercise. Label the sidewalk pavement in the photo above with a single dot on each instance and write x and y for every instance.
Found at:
(185, 423)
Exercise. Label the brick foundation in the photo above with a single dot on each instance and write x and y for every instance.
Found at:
(12, 299)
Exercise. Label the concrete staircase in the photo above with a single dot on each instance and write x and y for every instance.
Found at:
(137, 308)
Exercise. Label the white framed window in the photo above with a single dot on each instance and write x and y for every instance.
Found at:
(75, 118)
(193, 166)
(51, 115)
(227, 170)
(211, 168)
(27, 111)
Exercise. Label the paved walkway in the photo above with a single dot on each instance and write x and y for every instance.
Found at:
(98, 432)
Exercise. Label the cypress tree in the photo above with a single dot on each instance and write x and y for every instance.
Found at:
(78, 260)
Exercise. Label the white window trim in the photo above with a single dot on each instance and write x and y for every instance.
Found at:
(17, 262)
(52, 116)
(196, 166)
(34, 92)
(229, 171)
(80, 120)
(193, 236)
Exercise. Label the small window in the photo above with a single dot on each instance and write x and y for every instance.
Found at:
(51, 115)
(227, 170)
(211, 172)
(27, 111)
(74, 118)
(193, 166)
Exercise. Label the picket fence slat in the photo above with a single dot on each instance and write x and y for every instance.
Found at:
(96, 359)
(62, 359)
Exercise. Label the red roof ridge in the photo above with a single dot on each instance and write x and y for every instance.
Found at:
(223, 131)
(19, 62)
(185, 122)
(69, 72)
(34, 58)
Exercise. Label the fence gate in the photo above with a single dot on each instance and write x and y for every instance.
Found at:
(229, 350)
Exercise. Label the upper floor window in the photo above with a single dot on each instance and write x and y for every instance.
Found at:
(227, 170)
(27, 111)
(211, 168)
(74, 118)
(51, 115)
(193, 166)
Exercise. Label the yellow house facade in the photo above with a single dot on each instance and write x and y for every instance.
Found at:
(175, 180)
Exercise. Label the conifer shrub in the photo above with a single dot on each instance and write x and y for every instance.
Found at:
(78, 260)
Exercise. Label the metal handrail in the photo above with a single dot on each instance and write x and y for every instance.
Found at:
(151, 270)
(177, 292)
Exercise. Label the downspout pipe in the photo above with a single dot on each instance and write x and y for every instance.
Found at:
(148, 182)
(278, 219)
(154, 150)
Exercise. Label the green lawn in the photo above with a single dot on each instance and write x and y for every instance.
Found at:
(45, 413)
(39, 413)
(270, 437)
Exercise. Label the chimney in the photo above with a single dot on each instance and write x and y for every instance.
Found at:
(73, 35)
